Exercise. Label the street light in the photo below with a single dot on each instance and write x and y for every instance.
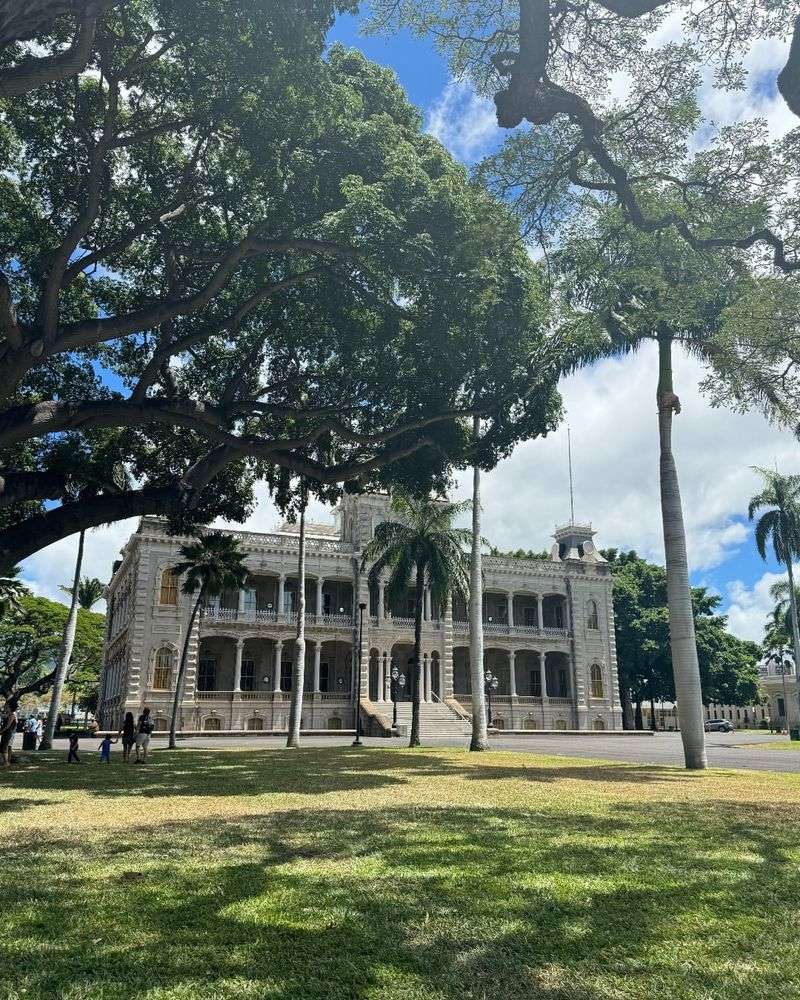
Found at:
(357, 742)
(490, 685)
(398, 681)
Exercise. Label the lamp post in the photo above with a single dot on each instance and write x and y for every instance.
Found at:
(490, 685)
(357, 742)
(398, 681)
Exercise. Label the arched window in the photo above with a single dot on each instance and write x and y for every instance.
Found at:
(168, 593)
(597, 681)
(161, 725)
(591, 616)
(560, 724)
(212, 724)
(255, 723)
(162, 672)
(334, 722)
(530, 723)
(598, 724)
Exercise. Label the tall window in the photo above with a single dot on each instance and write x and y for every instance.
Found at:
(162, 674)
(324, 677)
(286, 676)
(250, 599)
(536, 682)
(207, 673)
(591, 615)
(169, 587)
(248, 675)
(563, 683)
(531, 618)
(597, 681)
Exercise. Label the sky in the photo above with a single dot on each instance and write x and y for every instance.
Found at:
(610, 407)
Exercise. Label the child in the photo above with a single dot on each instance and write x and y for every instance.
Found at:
(73, 749)
(105, 750)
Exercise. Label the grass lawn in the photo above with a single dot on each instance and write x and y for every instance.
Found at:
(784, 744)
(336, 873)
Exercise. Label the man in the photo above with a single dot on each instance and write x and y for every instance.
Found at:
(144, 728)
(8, 728)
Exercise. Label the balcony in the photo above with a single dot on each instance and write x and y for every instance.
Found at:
(520, 631)
(272, 696)
(231, 615)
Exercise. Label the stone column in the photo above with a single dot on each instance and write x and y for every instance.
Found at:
(426, 678)
(276, 680)
(380, 600)
(317, 661)
(380, 683)
(281, 588)
(237, 670)
(387, 678)
(543, 673)
(512, 673)
(510, 599)
(540, 611)
(242, 595)
(428, 614)
(320, 585)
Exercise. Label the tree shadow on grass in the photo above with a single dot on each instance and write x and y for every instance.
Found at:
(307, 771)
(647, 899)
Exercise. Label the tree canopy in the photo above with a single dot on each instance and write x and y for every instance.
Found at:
(226, 258)
(30, 638)
(728, 665)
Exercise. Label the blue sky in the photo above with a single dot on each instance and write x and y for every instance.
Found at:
(610, 407)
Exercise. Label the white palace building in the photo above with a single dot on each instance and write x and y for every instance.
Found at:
(548, 636)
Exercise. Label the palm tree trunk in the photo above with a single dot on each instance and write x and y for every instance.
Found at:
(683, 644)
(181, 680)
(653, 724)
(792, 718)
(299, 663)
(480, 739)
(65, 653)
(638, 717)
(416, 675)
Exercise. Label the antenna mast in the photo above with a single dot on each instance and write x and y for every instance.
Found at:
(571, 490)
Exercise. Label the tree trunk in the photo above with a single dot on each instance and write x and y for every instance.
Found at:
(181, 680)
(627, 707)
(299, 663)
(638, 718)
(416, 673)
(793, 716)
(65, 653)
(653, 724)
(683, 645)
(480, 739)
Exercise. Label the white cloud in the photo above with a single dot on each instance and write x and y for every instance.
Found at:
(464, 122)
(750, 606)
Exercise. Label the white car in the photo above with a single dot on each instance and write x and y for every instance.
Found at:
(719, 726)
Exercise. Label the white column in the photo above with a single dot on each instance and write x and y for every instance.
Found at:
(317, 660)
(281, 587)
(237, 670)
(379, 680)
(276, 680)
(427, 678)
(428, 614)
(320, 585)
(387, 678)
(512, 673)
(539, 610)
(242, 593)
(510, 599)
(543, 672)
(380, 600)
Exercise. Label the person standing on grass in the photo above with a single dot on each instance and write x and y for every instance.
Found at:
(128, 734)
(73, 749)
(144, 727)
(8, 729)
(105, 749)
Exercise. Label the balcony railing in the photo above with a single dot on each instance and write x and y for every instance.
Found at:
(502, 628)
(265, 695)
(273, 618)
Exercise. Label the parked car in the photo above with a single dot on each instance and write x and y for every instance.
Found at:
(719, 726)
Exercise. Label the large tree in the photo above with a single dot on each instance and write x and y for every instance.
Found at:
(30, 639)
(221, 254)
(727, 665)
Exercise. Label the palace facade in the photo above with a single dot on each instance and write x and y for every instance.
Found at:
(548, 636)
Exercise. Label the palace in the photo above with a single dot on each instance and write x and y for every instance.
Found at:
(548, 636)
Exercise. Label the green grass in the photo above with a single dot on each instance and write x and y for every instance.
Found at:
(785, 744)
(338, 874)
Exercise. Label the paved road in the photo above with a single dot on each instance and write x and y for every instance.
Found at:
(724, 749)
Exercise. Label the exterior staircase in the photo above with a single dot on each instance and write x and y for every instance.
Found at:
(435, 719)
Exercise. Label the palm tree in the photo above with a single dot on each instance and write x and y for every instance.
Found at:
(65, 652)
(299, 661)
(211, 565)
(780, 525)
(424, 546)
(11, 590)
(90, 591)
(480, 739)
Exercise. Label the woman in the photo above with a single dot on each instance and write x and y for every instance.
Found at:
(128, 733)
(144, 727)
